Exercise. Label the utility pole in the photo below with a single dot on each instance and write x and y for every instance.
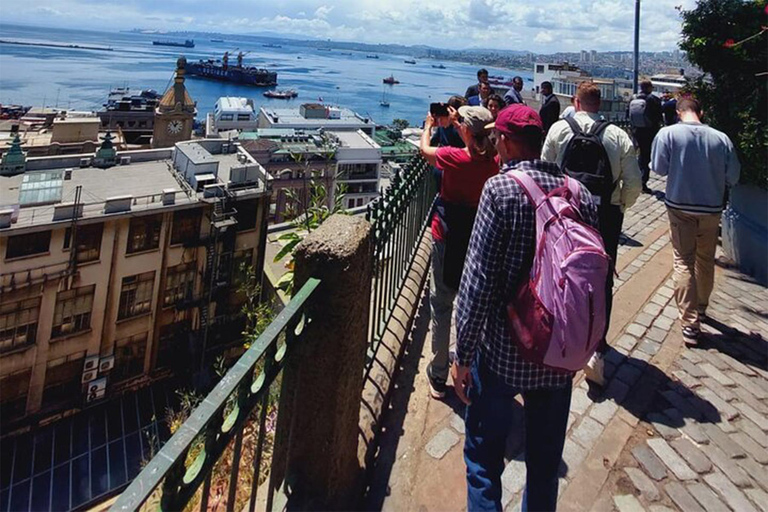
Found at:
(637, 47)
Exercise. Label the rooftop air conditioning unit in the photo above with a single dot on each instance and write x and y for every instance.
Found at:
(169, 196)
(106, 363)
(89, 375)
(85, 162)
(225, 148)
(6, 217)
(118, 204)
(125, 160)
(96, 390)
(66, 211)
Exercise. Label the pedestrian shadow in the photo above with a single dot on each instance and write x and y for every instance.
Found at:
(628, 241)
(750, 349)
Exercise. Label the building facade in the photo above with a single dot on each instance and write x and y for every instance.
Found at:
(118, 269)
(175, 114)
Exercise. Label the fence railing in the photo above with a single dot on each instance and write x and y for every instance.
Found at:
(398, 219)
(238, 415)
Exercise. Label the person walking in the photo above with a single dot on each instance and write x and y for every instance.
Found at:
(645, 119)
(490, 370)
(613, 163)
(700, 163)
(550, 106)
(465, 171)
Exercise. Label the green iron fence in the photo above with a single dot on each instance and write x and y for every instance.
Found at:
(239, 409)
(398, 218)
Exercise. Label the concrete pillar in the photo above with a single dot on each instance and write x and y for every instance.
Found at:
(323, 380)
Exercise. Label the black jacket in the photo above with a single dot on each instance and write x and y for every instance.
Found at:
(549, 112)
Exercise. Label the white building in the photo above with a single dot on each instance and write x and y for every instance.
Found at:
(231, 113)
(663, 83)
(546, 72)
(311, 116)
(358, 166)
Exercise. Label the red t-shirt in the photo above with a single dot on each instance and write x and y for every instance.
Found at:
(463, 179)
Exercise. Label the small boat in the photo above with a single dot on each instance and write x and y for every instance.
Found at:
(384, 102)
(436, 66)
(271, 45)
(371, 56)
(217, 40)
(282, 95)
(188, 43)
(496, 77)
(410, 61)
(391, 80)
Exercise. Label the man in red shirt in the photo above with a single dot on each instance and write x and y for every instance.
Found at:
(465, 171)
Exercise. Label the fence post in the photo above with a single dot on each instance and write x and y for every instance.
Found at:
(316, 449)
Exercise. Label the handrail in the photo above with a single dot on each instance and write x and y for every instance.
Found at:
(244, 387)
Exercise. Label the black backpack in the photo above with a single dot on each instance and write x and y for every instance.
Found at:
(586, 160)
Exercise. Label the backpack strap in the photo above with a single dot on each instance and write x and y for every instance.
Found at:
(573, 186)
(530, 187)
(575, 128)
(598, 127)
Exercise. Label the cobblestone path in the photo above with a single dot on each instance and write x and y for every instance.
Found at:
(674, 429)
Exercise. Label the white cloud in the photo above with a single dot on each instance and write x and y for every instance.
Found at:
(543, 38)
(323, 11)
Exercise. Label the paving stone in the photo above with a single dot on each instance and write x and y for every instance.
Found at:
(644, 319)
(692, 356)
(628, 374)
(686, 379)
(707, 498)
(443, 441)
(627, 503)
(649, 347)
(670, 312)
(643, 484)
(614, 357)
(750, 385)
(571, 421)
(664, 323)
(681, 404)
(712, 406)
(720, 390)
(756, 471)
(711, 358)
(616, 391)
(659, 422)
(736, 365)
(587, 432)
(666, 292)
(457, 423)
(692, 455)
(656, 334)
(757, 418)
(717, 375)
(635, 330)
(759, 498)
(603, 411)
(660, 508)
(652, 309)
(730, 447)
(513, 477)
(749, 399)
(671, 459)
(682, 498)
(650, 462)
(691, 368)
(573, 455)
(580, 402)
(728, 466)
(639, 359)
(626, 341)
(729, 492)
(754, 432)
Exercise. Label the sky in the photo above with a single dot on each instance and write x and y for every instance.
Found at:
(538, 26)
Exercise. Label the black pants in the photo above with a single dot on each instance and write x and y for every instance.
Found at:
(610, 219)
(644, 139)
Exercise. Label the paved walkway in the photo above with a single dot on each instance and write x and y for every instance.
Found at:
(675, 429)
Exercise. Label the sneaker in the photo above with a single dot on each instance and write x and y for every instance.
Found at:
(691, 336)
(594, 371)
(436, 387)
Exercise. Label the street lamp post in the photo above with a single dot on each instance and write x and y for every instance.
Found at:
(637, 47)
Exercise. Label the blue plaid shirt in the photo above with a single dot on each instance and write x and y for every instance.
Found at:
(499, 259)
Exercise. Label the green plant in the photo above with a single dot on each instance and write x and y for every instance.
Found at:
(727, 39)
(400, 124)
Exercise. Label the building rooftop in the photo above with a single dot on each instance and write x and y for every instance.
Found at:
(293, 117)
(234, 104)
(355, 140)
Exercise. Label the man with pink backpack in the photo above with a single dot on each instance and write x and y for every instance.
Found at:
(530, 312)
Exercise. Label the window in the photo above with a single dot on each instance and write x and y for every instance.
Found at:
(350, 203)
(172, 345)
(179, 283)
(144, 233)
(129, 357)
(18, 323)
(73, 311)
(246, 214)
(62, 382)
(539, 68)
(186, 225)
(226, 117)
(136, 295)
(243, 117)
(13, 399)
(357, 171)
(28, 245)
(88, 241)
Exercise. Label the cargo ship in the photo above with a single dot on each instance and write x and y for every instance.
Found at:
(239, 74)
(189, 43)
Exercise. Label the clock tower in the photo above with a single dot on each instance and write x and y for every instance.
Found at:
(175, 113)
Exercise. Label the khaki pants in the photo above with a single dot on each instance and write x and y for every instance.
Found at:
(694, 239)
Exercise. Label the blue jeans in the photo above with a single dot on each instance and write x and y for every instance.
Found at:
(488, 420)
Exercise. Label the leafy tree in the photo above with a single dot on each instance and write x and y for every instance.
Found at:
(400, 124)
(728, 40)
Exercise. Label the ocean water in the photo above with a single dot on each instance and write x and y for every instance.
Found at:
(81, 79)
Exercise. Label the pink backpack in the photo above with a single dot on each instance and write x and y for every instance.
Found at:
(558, 315)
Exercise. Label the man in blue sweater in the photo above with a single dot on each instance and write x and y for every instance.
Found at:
(700, 163)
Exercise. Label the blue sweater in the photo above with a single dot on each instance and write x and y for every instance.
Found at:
(699, 162)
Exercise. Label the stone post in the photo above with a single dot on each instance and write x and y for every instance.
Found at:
(317, 432)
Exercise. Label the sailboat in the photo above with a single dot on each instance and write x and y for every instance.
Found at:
(384, 102)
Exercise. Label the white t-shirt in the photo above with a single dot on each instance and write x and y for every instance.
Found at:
(569, 111)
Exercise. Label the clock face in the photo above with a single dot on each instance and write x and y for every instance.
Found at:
(175, 127)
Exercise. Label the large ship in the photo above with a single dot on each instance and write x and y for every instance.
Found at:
(239, 74)
(189, 43)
